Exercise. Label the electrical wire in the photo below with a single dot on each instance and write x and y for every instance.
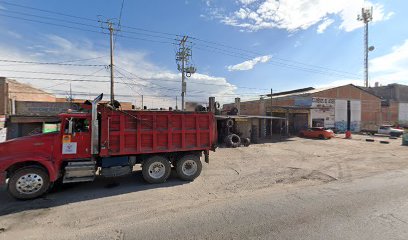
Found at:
(302, 67)
(53, 63)
(47, 11)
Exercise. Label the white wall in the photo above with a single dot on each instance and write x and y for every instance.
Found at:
(355, 107)
(340, 115)
(403, 112)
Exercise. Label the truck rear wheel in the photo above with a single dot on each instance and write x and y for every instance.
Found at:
(189, 167)
(28, 183)
(156, 169)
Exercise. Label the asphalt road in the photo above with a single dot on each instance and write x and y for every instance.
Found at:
(371, 208)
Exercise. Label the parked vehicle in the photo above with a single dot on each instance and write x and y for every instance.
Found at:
(384, 129)
(390, 130)
(317, 132)
(109, 142)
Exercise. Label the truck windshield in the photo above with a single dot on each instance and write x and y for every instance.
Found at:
(78, 125)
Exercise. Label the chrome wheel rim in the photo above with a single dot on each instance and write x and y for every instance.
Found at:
(29, 183)
(157, 170)
(189, 167)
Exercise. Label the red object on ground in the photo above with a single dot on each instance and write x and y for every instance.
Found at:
(317, 132)
(348, 134)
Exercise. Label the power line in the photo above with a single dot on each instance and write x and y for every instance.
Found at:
(146, 79)
(49, 18)
(52, 63)
(47, 11)
(303, 67)
(54, 73)
(84, 30)
(311, 70)
(119, 23)
(257, 54)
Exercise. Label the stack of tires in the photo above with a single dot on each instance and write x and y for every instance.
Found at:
(234, 141)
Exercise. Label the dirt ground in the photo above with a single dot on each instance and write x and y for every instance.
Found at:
(97, 210)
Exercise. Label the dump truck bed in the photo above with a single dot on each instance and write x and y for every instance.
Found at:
(145, 132)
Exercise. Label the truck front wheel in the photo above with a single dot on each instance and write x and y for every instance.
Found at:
(28, 183)
(156, 169)
(189, 167)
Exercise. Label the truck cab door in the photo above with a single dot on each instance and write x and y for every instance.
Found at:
(76, 138)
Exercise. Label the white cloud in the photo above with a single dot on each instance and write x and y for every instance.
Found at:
(247, 2)
(385, 69)
(324, 25)
(392, 67)
(293, 15)
(250, 64)
(158, 85)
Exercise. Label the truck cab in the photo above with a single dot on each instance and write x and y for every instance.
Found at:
(39, 157)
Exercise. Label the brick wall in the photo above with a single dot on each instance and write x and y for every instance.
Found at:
(390, 113)
(370, 104)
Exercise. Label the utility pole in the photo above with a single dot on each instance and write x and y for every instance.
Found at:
(112, 95)
(182, 58)
(70, 95)
(142, 103)
(366, 16)
(176, 103)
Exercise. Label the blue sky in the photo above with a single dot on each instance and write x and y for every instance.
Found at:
(240, 48)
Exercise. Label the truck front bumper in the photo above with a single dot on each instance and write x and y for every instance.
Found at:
(3, 176)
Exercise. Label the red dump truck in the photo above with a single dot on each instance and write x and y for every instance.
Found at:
(108, 141)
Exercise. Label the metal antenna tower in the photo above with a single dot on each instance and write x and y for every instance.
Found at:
(182, 58)
(366, 16)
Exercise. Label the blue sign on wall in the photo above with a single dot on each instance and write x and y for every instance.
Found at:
(303, 102)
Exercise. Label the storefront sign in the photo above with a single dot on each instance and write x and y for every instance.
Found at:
(322, 112)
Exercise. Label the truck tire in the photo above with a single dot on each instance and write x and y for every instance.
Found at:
(28, 183)
(189, 167)
(233, 140)
(229, 123)
(156, 169)
(246, 142)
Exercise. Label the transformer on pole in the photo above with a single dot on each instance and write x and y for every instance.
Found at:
(182, 58)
